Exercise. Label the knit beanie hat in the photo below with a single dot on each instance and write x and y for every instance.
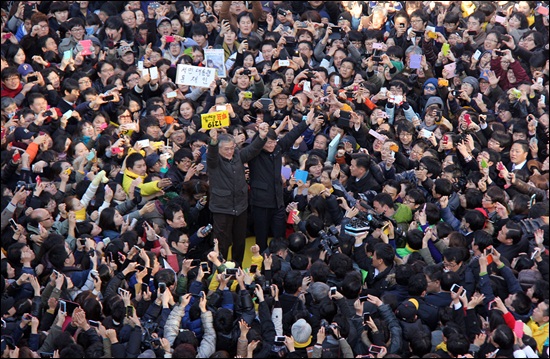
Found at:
(431, 80)
(473, 82)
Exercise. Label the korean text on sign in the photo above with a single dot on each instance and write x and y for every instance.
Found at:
(215, 120)
(195, 76)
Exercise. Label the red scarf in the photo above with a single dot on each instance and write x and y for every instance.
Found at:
(6, 92)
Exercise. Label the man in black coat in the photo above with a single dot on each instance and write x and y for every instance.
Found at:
(229, 190)
(268, 208)
(365, 175)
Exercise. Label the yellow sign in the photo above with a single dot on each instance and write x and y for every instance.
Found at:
(215, 120)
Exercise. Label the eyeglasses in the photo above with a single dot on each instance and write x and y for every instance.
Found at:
(416, 21)
(430, 88)
(487, 199)
(409, 200)
(449, 265)
(421, 168)
(77, 29)
(405, 134)
(473, 23)
(47, 219)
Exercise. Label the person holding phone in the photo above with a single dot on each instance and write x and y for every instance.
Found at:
(245, 80)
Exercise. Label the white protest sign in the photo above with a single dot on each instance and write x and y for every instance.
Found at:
(195, 75)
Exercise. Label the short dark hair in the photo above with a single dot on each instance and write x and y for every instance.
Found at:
(514, 231)
(433, 165)
(421, 14)
(292, 281)
(448, 279)
(473, 197)
(385, 252)
(458, 344)
(475, 218)
(170, 210)
(503, 336)
(183, 153)
(455, 254)
(351, 61)
(299, 262)
(479, 16)
(199, 28)
(245, 14)
(133, 158)
(417, 284)
(278, 244)
(340, 264)
(443, 186)
(351, 285)
(421, 343)
(521, 303)
(414, 239)
(362, 161)
(383, 199)
(313, 225)
(539, 209)
(433, 271)
(433, 215)
(482, 240)
(524, 144)
(319, 271)
(503, 138)
(69, 85)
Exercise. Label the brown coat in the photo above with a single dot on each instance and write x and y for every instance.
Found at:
(257, 12)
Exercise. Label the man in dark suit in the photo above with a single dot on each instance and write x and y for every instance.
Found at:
(365, 175)
(268, 207)
(511, 241)
(70, 92)
(518, 160)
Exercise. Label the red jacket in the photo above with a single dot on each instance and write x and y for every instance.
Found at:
(519, 72)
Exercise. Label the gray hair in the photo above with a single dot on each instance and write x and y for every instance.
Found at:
(6, 101)
(225, 137)
(413, 50)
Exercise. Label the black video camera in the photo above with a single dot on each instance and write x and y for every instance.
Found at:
(329, 242)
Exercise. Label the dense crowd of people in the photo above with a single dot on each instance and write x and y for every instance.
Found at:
(388, 159)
